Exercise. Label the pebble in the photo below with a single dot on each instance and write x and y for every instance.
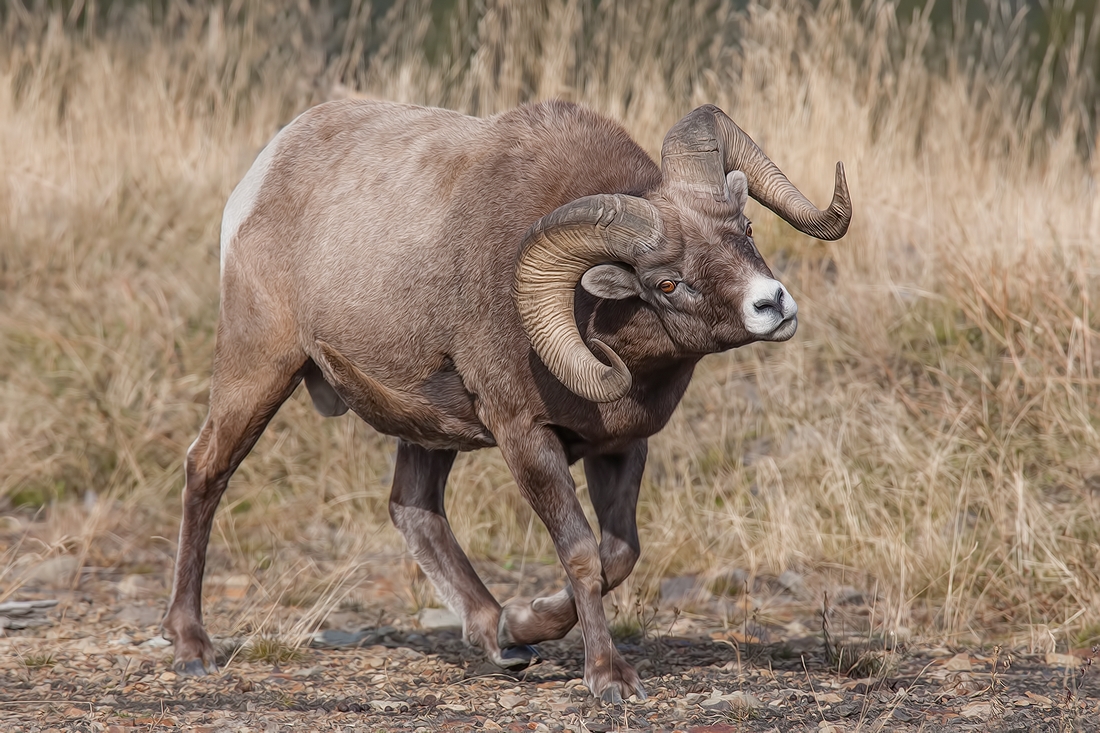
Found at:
(157, 642)
(793, 582)
(57, 571)
(439, 619)
(509, 700)
(959, 663)
(1067, 661)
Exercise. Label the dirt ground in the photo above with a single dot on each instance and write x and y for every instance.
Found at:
(756, 660)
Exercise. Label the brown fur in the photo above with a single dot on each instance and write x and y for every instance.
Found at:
(378, 254)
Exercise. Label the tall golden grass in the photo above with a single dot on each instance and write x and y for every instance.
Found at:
(931, 432)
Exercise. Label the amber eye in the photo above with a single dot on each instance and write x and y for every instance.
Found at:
(748, 229)
(666, 286)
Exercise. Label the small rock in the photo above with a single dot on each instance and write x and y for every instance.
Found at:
(682, 590)
(980, 710)
(716, 704)
(1063, 660)
(509, 700)
(744, 699)
(236, 587)
(793, 582)
(337, 638)
(439, 619)
(168, 677)
(157, 642)
(382, 706)
(139, 615)
(959, 663)
(800, 645)
(829, 698)
(57, 571)
(133, 586)
(846, 595)
(25, 614)
(1038, 699)
(732, 582)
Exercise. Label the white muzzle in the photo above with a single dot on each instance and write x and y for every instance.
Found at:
(769, 311)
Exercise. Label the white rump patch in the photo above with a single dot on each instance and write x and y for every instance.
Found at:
(243, 199)
(768, 307)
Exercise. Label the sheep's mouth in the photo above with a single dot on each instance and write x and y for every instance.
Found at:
(785, 330)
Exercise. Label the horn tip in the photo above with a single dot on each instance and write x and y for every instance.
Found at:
(616, 379)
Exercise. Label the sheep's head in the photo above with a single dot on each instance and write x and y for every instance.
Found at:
(686, 250)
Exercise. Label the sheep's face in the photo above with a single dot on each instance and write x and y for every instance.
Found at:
(707, 281)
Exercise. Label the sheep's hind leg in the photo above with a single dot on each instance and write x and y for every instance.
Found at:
(613, 484)
(244, 394)
(416, 506)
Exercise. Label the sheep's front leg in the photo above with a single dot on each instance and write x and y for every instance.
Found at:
(416, 507)
(613, 483)
(541, 470)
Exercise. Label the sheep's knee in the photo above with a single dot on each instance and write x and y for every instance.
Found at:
(617, 558)
(582, 564)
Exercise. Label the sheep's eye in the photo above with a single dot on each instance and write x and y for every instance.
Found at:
(666, 286)
(748, 229)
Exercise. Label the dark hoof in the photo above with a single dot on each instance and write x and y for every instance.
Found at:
(639, 692)
(516, 658)
(612, 695)
(193, 668)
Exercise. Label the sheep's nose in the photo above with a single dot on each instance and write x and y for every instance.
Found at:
(768, 310)
(773, 302)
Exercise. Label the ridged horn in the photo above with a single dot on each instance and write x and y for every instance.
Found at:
(558, 249)
(703, 147)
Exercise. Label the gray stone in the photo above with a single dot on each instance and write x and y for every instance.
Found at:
(157, 642)
(133, 586)
(25, 614)
(846, 595)
(793, 582)
(139, 615)
(330, 638)
(744, 699)
(439, 619)
(732, 582)
(682, 590)
(57, 571)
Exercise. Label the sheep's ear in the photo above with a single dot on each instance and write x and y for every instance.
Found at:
(612, 282)
(738, 187)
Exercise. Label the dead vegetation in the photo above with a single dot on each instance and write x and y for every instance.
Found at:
(930, 435)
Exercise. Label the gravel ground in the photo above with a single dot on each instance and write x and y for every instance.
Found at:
(98, 664)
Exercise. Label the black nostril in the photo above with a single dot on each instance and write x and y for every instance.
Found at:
(774, 303)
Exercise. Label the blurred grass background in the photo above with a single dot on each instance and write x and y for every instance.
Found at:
(930, 433)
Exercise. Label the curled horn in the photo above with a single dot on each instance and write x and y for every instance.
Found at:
(558, 249)
(703, 147)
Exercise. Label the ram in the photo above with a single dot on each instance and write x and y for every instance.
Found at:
(531, 281)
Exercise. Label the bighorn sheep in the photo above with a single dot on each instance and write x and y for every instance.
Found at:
(531, 281)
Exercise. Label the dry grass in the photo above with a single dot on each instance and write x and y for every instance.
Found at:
(932, 429)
